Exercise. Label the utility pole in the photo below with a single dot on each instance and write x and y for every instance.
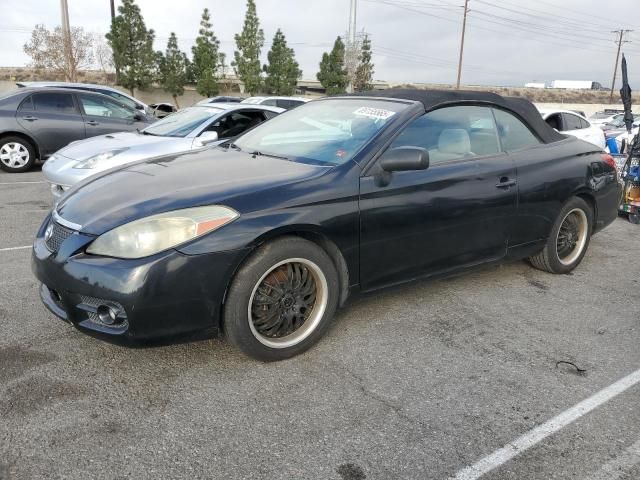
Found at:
(620, 41)
(66, 34)
(113, 16)
(351, 44)
(464, 27)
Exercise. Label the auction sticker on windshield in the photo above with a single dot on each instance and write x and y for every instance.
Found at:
(377, 113)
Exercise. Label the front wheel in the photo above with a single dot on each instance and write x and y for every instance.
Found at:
(568, 240)
(16, 154)
(282, 300)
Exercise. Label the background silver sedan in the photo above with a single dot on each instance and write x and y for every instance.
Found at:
(193, 127)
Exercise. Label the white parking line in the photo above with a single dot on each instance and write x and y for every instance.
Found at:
(619, 465)
(18, 183)
(531, 438)
(14, 248)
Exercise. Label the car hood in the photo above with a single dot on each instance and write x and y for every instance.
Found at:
(149, 187)
(83, 149)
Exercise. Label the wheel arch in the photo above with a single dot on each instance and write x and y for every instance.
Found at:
(588, 197)
(311, 233)
(314, 234)
(28, 138)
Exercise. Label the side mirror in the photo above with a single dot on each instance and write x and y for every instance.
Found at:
(402, 159)
(207, 138)
(138, 116)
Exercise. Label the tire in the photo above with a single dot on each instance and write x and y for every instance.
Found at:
(558, 256)
(269, 324)
(634, 218)
(16, 154)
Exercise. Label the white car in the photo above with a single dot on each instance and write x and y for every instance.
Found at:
(570, 123)
(191, 128)
(600, 119)
(281, 102)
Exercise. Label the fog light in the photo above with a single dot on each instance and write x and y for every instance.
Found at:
(107, 315)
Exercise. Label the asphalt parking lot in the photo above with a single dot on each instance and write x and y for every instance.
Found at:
(416, 382)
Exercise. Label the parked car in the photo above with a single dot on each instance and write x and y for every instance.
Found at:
(35, 122)
(282, 102)
(607, 116)
(265, 238)
(570, 123)
(121, 97)
(221, 99)
(161, 110)
(190, 128)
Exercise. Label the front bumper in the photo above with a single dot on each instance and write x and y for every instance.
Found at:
(163, 296)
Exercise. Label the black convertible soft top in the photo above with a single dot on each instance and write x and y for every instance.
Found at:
(432, 99)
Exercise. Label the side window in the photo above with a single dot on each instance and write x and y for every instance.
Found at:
(584, 123)
(53, 103)
(269, 114)
(555, 121)
(571, 122)
(27, 104)
(236, 123)
(99, 106)
(513, 133)
(121, 98)
(271, 102)
(452, 133)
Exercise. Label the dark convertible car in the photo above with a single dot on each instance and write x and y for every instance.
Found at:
(265, 237)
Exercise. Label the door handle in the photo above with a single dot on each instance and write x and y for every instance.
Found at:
(506, 182)
(92, 123)
(29, 118)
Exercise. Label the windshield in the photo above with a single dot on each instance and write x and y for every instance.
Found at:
(182, 123)
(325, 132)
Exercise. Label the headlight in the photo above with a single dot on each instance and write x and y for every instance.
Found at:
(156, 233)
(92, 162)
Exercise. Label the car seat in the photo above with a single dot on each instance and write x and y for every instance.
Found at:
(452, 143)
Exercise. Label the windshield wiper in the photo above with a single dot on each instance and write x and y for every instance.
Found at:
(258, 153)
(144, 132)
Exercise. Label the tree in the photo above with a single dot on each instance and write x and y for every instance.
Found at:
(206, 58)
(132, 46)
(332, 74)
(103, 54)
(172, 69)
(247, 56)
(283, 71)
(47, 50)
(190, 76)
(364, 70)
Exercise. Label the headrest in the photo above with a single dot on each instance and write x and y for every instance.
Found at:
(454, 140)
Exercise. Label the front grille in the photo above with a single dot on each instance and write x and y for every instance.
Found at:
(58, 235)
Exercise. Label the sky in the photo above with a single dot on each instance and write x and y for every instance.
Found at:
(508, 42)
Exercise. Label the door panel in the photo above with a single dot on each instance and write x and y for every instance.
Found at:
(102, 116)
(425, 222)
(52, 119)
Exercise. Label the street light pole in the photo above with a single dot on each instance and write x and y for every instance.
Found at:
(464, 27)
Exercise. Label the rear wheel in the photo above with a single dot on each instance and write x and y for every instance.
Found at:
(282, 300)
(16, 154)
(569, 239)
